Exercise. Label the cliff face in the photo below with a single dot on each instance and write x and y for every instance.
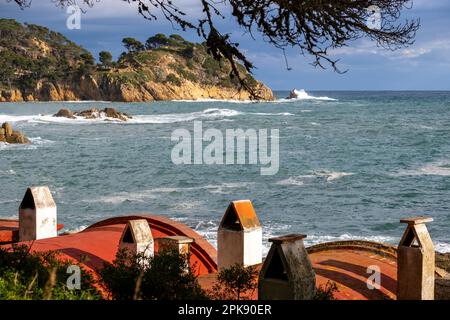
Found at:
(37, 64)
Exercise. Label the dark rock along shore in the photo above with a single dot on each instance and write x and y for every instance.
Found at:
(7, 134)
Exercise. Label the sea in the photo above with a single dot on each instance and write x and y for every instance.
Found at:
(351, 164)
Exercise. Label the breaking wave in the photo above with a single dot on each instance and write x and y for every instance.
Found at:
(207, 114)
(303, 95)
(35, 143)
(217, 100)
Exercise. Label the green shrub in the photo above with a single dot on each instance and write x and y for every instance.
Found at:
(162, 277)
(42, 275)
(235, 283)
(172, 78)
(326, 292)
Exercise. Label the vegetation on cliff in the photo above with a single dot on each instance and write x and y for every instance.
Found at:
(39, 64)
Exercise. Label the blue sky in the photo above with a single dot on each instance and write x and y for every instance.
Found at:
(423, 66)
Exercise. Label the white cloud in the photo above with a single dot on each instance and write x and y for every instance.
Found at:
(365, 47)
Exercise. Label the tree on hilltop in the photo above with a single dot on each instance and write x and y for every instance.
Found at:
(105, 58)
(156, 41)
(132, 45)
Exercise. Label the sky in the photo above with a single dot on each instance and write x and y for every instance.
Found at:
(423, 66)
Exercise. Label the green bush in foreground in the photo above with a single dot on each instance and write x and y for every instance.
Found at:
(235, 283)
(25, 275)
(326, 292)
(165, 276)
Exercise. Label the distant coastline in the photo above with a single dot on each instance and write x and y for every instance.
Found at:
(38, 64)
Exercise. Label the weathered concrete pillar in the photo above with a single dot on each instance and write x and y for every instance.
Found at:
(239, 238)
(416, 264)
(287, 273)
(180, 243)
(37, 215)
(137, 239)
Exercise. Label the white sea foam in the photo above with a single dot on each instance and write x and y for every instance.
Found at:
(438, 168)
(40, 141)
(332, 175)
(9, 217)
(188, 205)
(218, 100)
(303, 95)
(207, 114)
(208, 230)
(315, 239)
(294, 181)
(8, 172)
(75, 230)
(273, 114)
(36, 142)
(155, 193)
(442, 247)
(300, 180)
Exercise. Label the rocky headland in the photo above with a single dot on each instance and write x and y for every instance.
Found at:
(37, 64)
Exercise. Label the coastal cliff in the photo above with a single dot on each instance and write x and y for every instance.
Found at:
(37, 64)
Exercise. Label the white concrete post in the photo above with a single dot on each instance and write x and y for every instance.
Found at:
(37, 215)
(137, 238)
(239, 238)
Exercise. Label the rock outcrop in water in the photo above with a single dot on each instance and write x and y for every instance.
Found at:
(109, 113)
(7, 134)
(292, 94)
(37, 64)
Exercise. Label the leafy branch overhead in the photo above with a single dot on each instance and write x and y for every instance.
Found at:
(312, 26)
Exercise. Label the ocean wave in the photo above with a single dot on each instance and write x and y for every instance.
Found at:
(207, 229)
(316, 239)
(303, 95)
(40, 141)
(207, 114)
(438, 168)
(273, 114)
(300, 180)
(74, 230)
(35, 143)
(202, 100)
(155, 193)
(333, 175)
(442, 247)
(8, 172)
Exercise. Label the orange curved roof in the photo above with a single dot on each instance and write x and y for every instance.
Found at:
(346, 264)
(9, 230)
(99, 243)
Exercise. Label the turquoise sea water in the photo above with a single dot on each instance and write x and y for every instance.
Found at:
(349, 167)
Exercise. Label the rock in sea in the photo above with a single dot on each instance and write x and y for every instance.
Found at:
(7, 134)
(65, 113)
(93, 113)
